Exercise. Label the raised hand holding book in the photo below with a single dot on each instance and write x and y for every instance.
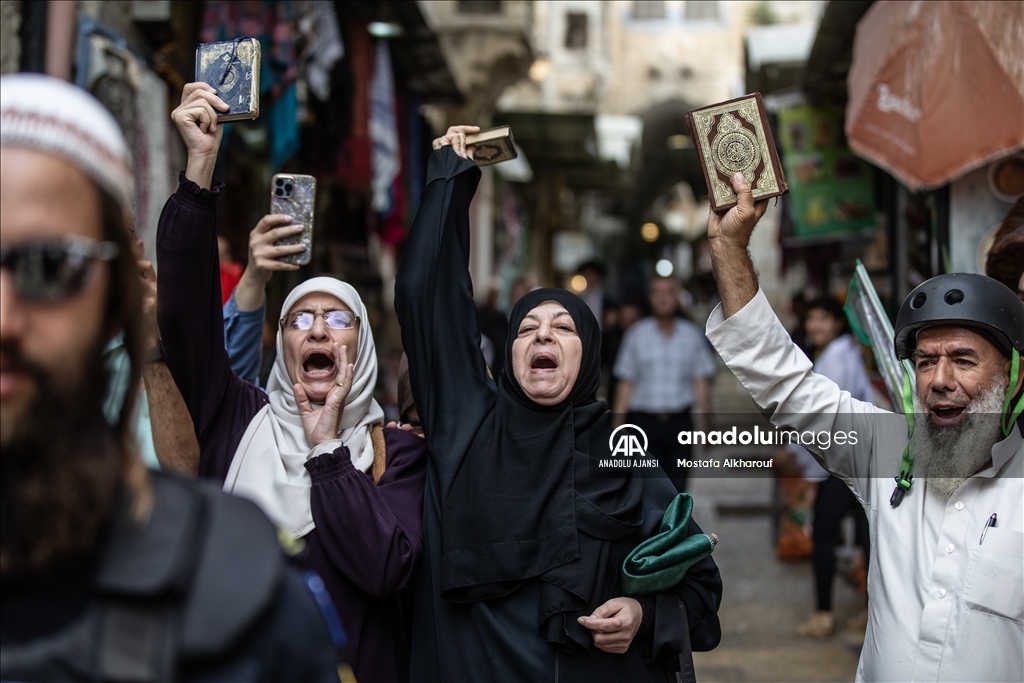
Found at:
(492, 146)
(232, 68)
(732, 137)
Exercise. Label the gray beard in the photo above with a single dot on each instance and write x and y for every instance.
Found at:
(947, 456)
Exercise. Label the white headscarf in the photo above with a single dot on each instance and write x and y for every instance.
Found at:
(268, 466)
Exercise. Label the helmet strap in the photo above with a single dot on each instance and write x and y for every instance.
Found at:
(905, 478)
(1010, 417)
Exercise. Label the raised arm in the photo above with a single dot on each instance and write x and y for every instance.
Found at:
(189, 306)
(244, 311)
(729, 241)
(779, 377)
(434, 301)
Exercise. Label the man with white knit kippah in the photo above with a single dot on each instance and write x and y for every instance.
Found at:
(48, 114)
(52, 116)
(88, 536)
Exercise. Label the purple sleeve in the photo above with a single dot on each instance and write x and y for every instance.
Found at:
(191, 322)
(371, 534)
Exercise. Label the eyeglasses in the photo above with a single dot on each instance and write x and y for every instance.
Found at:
(55, 270)
(303, 320)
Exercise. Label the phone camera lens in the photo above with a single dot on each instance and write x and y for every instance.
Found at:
(279, 192)
(279, 182)
(288, 188)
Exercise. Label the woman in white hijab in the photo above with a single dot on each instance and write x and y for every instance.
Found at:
(310, 451)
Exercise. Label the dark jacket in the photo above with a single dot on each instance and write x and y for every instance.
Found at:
(499, 637)
(200, 592)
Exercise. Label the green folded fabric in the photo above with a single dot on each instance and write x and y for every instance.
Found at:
(661, 561)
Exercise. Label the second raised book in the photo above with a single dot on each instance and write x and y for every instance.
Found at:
(492, 146)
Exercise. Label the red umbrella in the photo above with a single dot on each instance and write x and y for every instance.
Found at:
(937, 88)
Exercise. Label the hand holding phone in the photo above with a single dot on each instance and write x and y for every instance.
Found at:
(264, 252)
(295, 196)
(263, 258)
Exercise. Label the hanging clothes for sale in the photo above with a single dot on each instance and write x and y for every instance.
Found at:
(273, 24)
(353, 156)
(318, 24)
(137, 99)
(384, 148)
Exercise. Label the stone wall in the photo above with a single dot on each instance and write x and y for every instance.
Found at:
(10, 41)
(485, 52)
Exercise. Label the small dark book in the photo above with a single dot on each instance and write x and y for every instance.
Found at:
(492, 146)
(733, 137)
(232, 67)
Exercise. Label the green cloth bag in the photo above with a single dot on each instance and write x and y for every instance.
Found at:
(661, 561)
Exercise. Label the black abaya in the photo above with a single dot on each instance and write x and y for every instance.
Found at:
(518, 540)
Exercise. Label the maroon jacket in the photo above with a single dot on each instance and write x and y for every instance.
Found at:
(368, 538)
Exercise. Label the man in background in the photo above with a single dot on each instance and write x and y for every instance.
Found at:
(663, 369)
(593, 294)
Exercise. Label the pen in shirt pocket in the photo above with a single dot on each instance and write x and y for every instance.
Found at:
(990, 523)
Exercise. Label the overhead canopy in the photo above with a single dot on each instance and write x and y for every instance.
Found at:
(666, 157)
(776, 55)
(779, 44)
(824, 76)
(937, 88)
(566, 142)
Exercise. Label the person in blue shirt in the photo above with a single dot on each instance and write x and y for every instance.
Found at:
(245, 310)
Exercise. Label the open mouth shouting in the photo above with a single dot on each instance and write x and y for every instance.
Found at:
(543, 362)
(318, 363)
(946, 413)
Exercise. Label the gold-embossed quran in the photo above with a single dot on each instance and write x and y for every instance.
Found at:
(232, 67)
(733, 137)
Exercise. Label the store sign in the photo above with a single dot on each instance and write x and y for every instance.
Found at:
(830, 189)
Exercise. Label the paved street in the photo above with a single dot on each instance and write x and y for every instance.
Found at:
(764, 599)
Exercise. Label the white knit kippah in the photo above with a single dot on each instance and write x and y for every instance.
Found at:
(51, 115)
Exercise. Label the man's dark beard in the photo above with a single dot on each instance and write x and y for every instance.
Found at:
(60, 467)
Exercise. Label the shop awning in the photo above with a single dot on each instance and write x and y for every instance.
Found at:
(776, 54)
(824, 75)
(563, 142)
(937, 88)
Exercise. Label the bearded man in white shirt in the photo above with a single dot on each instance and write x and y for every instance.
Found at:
(946, 581)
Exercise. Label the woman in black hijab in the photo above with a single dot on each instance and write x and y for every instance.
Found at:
(522, 546)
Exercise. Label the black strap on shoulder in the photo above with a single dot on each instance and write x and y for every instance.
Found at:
(144, 585)
(138, 640)
(187, 584)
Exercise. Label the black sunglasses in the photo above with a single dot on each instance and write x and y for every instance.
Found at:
(54, 270)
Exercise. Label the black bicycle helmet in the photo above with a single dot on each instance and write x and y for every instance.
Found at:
(966, 300)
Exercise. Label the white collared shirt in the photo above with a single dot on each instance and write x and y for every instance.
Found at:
(942, 605)
(663, 368)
